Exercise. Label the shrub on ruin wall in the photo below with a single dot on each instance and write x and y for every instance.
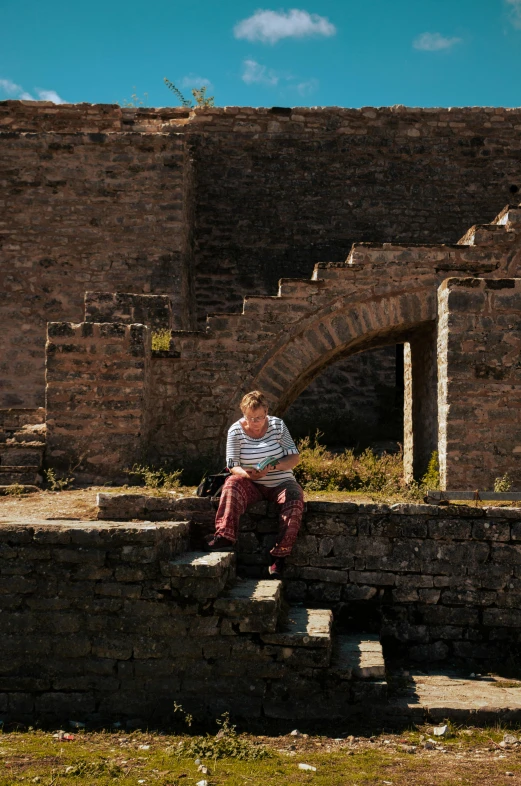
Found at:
(321, 470)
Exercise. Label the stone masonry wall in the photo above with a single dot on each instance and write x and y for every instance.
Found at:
(479, 343)
(82, 210)
(98, 623)
(97, 394)
(218, 203)
(83, 624)
(292, 187)
(436, 582)
(108, 622)
(155, 311)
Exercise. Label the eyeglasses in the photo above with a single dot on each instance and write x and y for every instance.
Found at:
(255, 420)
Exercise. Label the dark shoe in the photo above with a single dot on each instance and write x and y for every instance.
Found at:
(277, 569)
(218, 543)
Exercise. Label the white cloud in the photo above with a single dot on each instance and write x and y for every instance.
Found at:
(255, 73)
(308, 87)
(515, 12)
(434, 42)
(271, 26)
(49, 95)
(192, 80)
(17, 91)
(6, 86)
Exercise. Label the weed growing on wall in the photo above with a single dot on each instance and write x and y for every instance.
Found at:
(504, 483)
(135, 100)
(199, 94)
(161, 340)
(55, 483)
(431, 479)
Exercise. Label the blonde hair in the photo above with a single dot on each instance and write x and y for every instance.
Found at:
(254, 400)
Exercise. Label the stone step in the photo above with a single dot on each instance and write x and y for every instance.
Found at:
(358, 656)
(299, 287)
(223, 322)
(510, 217)
(485, 235)
(285, 308)
(16, 454)
(20, 475)
(13, 419)
(199, 574)
(33, 434)
(303, 628)
(250, 606)
(303, 640)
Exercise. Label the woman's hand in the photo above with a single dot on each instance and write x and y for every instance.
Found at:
(250, 473)
(255, 474)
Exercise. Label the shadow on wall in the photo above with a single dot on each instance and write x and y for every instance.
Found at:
(357, 403)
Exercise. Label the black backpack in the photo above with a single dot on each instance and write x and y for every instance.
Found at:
(212, 485)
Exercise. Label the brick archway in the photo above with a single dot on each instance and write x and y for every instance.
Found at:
(346, 326)
(342, 328)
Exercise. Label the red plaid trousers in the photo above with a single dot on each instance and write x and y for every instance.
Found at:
(238, 493)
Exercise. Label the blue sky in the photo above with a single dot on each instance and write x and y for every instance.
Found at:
(326, 52)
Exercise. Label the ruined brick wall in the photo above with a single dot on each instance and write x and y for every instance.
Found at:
(155, 311)
(437, 582)
(86, 206)
(83, 624)
(479, 343)
(97, 622)
(218, 203)
(97, 398)
(290, 188)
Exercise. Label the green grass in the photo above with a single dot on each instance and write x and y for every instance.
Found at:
(98, 759)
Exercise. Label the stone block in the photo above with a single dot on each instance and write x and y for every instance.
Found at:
(60, 705)
(432, 652)
(375, 578)
(402, 526)
(148, 647)
(502, 618)
(491, 530)
(21, 705)
(446, 615)
(113, 647)
(450, 529)
(327, 575)
(114, 507)
(253, 604)
(506, 554)
(355, 592)
(358, 656)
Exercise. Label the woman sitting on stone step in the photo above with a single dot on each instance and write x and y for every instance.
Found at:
(252, 440)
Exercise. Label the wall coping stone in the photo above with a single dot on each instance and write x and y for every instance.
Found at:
(33, 116)
(197, 504)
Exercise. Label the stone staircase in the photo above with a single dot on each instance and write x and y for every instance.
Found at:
(289, 659)
(279, 344)
(266, 315)
(503, 229)
(22, 446)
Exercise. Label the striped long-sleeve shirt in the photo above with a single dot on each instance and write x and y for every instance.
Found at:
(247, 452)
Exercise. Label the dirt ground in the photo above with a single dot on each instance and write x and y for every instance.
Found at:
(80, 504)
(467, 757)
(47, 505)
